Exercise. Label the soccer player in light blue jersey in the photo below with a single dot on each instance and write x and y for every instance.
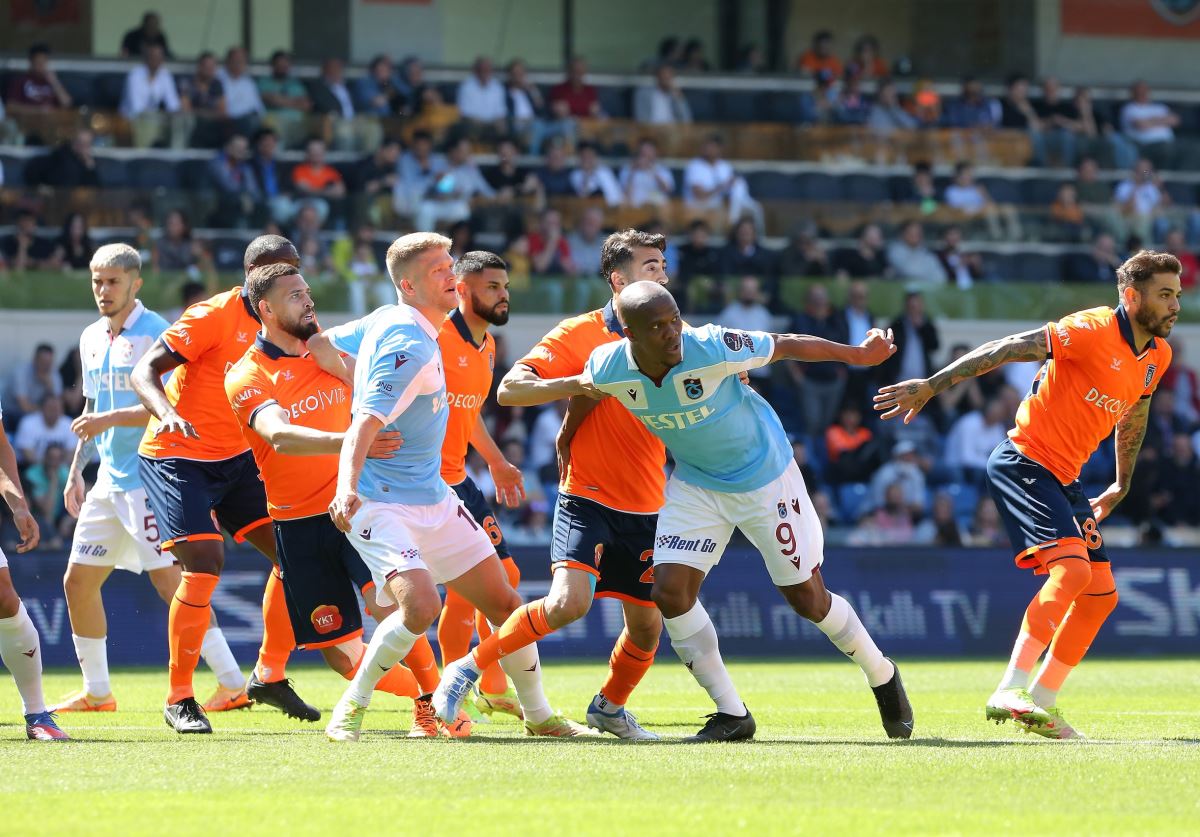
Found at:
(734, 469)
(117, 528)
(411, 530)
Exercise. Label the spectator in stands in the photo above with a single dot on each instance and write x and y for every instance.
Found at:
(699, 266)
(312, 247)
(1183, 380)
(1098, 265)
(750, 60)
(151, 102)
(47, 479)
(866, 62)
(38, 88)
(965, 398)
(644, 180)
(242, 101)
(510, 181)
(318, 184)
(43, 427)
(375, 176)
(585, 243)
(548, 248)
(820, 386)
(748, 312)
(901, 469)
(744, 255)
(986, 529)
(1067, 215)
(74, 247)
(10, 134)
(1141, 200)
(694, 60)
(25, 249)
(661, 102)
(916, 339)
(1174, 491)
(574, 98)
(70, 372)
(1017, 113)
(921, 189)
(963, 268)
(354, 259)
(555, 175)
(971, 198)
(593, 179)
(670, 51)
(449, 195)
(238, 194)
(526, 111)
(1164, 421)
(925, 104)
(890, 523)
(858, 320)
(851, 106)
(710, 182)
(1063, 123)
(380, 91)
(29, 385)
(1175, 244)
(176, 250)
(204, 95)
(149, 33)
(71, 165)
(419, 165)
(421, 96)
(331, 98)
(868, 260)
(941, 528)
(482, 101)
(286, 99)
(803, 255)
(972, 439)
(273, 181)
(819, 56)
(1151, 125)
(973, 108)
(462, 239)
(820, 106)
(909, 258)
(850, 447)
(143, 231)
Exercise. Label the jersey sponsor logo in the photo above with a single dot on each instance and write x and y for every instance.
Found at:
(733, 340)
(246, 394)
(677, 421)
(693, 388)
(464, 401)
(118, 381)
(632, 393)
(1105, 402)
(184, 336)
(401, 359)
(678, 544)
(326, 618)
(1150, 370)
(317, 401)
(1064, 336)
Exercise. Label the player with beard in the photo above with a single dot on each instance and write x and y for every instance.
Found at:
(293, 415)
(1101, 367)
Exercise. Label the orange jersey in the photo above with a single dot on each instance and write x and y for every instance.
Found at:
(210, 337)
(468, 380)
(297, 486)
(615, 460)
(1093, 377)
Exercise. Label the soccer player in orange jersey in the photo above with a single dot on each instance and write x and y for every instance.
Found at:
(1101, 367)
(195, 464)
(604, 523)
(294, 416)
(469, 357)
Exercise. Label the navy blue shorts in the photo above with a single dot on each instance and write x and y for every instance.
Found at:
(322, 576)
(616, 547)
(1044, 518)
(187, 495)
(481, 510)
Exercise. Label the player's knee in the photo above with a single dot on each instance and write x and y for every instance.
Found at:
(671, 602)
(75, 585)
(418, 616)
(338, 661)
(1073, 574)
(568, 603)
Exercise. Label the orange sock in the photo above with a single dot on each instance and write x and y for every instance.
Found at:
(186, 625)
(526, 625)
(493, 680)
(398, 681)
(1085, 618)
(455, 627)
(1069, 576)
(421, 663)
(626, 668)
(279, 640)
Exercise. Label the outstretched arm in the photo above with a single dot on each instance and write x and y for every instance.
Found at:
(522, 387)
(1131, 430)
(271, 422)
(907, 398)
(875, 349)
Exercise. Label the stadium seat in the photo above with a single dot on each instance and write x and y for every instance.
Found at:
(852, 498)
(112, 172)
(107, 89)
(965, 497)
(819, 187)
(703, 104)
(193, 175)
(79, 86)
(154, 173)
(783, 107)
(1002, 189)
(765, 185)
(866, 188)
(615, 101)
(14, 170)
(1041, 191)
(1038, 267)
(1183, 194)
(738, 106)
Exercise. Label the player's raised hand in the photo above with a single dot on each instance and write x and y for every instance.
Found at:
(174, 423)
(510, 483)
(73, 493)
(90, 425)
(385, 445)
(906, 397)
(27, 528)
(344, 506)
(1103, 505)
(877, 347)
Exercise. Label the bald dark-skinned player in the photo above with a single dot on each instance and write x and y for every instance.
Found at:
(199, 473)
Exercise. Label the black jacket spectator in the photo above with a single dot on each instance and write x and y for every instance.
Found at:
(909, 324)
(65, 168)
(148, 34)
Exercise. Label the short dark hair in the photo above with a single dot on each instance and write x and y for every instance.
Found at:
(617, 252)
(478, 261)
(263, 132)
(38, 49)
(279, 53)
(1142, 265)
(261, 279)
(208, 53)
(269, 249)
(43, 347)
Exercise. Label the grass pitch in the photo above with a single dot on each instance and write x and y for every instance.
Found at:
(820, 764)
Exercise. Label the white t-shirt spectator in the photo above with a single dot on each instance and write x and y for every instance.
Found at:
(481, 102)
(915, 263)
(241, 94)
(600, 179)
(645, 186)
(1134, 111)
(145, 93)
(34, 436)
(586, 254)
(967, 199)
(972, 440)
(1146, 196)
(706, 175)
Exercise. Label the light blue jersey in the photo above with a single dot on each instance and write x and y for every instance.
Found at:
(398, 379)
(722, 434)
(107, 362)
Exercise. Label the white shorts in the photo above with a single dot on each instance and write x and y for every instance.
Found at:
(695, 524)
(3, 560)
(442, 538)
(118, 529)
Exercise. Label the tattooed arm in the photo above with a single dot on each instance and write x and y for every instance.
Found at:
(1131, 429)
(907, 398)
